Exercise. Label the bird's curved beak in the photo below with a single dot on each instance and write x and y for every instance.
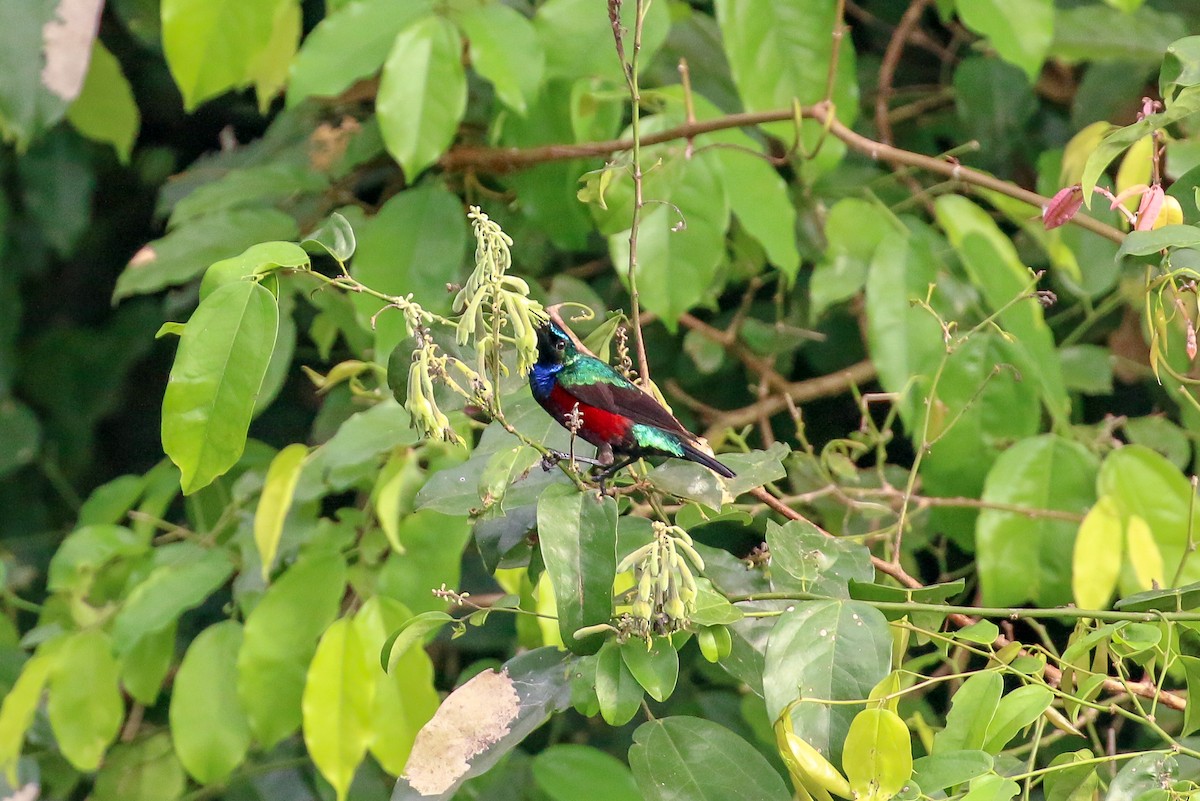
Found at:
(545, 340)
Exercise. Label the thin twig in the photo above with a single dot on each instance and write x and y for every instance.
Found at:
(887, 67)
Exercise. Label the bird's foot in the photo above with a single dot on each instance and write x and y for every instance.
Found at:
(553, 457)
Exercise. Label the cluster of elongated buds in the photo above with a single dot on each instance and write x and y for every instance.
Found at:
(507, 296)
(665, 596)
(429, 420)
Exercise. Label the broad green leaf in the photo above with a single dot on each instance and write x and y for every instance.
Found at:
(853, 230)
(504, 49)
(1138, 776)
(268, 70)
(561, 770)
(712, 608)
(825, 650)
(992, 788)
(1016, 710)
(1098, 555)
(27, 105)
(349, 455)
(109, 502)
(352, 42)
(1143, 243)
(482, 720)
(249, 188)
(416, 243)
(1097, 33)
(1183, 599)
(409, 633)
(1186, 103)
(1087, 369)
(981, 632)
(577, 533)
(1072, 782)
(188, 250)
(1025, 558)
(877, 755)
(592, 51)
(338, 696)
(18, 709)
(86, 550)
(279, 640)
(1144, 484)
(177, 585)
(145, 666)
(144, 770)
(950, 768)
(208, 725)
(690, 759)
(1191, 712)
(255, 260)
(656, 667)
(971, 712)
(422, 94)
(85, 705)
(211, 46)
(336, 236)
(1180, 67)
(405, 697)
(106, 110)
(681, 237)
(275, 501)
(58, 180)
(432, 545)
(819, 563)
(617, 690)
(992, 262)
(222, 359)
(1020, 30)
(779, 52)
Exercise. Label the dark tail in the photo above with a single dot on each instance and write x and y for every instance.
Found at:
(692, 453)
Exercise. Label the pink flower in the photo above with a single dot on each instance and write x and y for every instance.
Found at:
(1148, 209)
(1062, 207)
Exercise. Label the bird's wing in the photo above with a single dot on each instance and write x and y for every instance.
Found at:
(601, 386)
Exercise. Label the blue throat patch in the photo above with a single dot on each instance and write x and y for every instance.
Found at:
(542, 377)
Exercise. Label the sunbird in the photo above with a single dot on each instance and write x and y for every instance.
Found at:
(611, 413)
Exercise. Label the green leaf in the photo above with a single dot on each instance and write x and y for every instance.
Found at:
(338, 697)
(826, 650)
(618, 692)
(208, 725)
(336, 236)
(1016, 710)
(144, 667)
(273, 184)
(981, 632)
(144, 770)
(577, 533)
(268, 69)
(1143, 243)
(86, 550)
(106, 110)
(255, 260)
(58, 180)
(422, 94)
(27, 105)
(1142, 774)
(275, 501)
(878, 754)
(183, 581)
(1099, 33)
(712, 608)
(188, 250)
(348, 456)
(1020, 30)
(1184, 599)
(992, 788)
(780, 52)
(1087, 369)
(19, 707)
(432, 545)
(405, 696)
(1144, 484)
(416, 243)
(1191, 712)
(1023, 558)
(481, 721)
(1180, 67)
(950, 768)
(971, 712)
(409, 633)
(755, 468)
(655, 665)
(222, 359)
(853, 230)
(681, 234)
(279, 640)
(819, 563)
(690, 759)
(504, 49)
(561, 770)
(592, 51)
(1186, 103)
(1071, 782)
(1096, 562)
(211, 46)
(352, 42)
(85, 705)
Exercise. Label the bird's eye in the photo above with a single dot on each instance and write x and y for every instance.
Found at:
(560, 345)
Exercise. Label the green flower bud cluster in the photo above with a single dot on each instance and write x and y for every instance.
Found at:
(490, 290)
(665, 593)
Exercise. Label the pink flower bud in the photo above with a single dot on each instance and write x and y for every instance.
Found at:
(1062, 207)
(1149, 208)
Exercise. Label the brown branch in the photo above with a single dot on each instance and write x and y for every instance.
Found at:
(891, 60)
(505, 159)
(1143, 689)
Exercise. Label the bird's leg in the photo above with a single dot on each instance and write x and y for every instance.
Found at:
(610, 470)
(553, 457)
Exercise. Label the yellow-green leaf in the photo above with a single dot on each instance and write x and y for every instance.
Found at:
(275, 501)
(105, 109)
(1144, 555)
(269, 69)
(878, 755)
(208, 724)
(16, 714)
(85, 703)
(1096, 564)
(338, 696)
